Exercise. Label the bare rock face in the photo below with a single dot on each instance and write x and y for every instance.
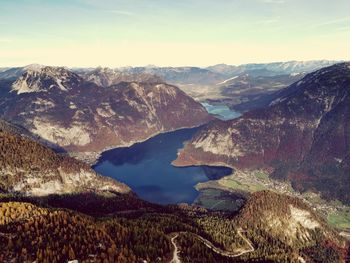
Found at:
(30, 168)
(303, 136)
(45, 79)
(79, 116)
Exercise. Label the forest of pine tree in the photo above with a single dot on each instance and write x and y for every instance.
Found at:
(34, 230)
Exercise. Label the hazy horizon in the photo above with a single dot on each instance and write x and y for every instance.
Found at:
(165, 66)
(88, 33)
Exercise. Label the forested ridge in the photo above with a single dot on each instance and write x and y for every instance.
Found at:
(20, 152)
(27, 166)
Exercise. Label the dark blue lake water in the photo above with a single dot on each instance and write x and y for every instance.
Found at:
(146, 168)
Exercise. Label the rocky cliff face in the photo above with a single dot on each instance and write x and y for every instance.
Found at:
(46, 79)
(79, 116)
(29, 168)
(303, 136)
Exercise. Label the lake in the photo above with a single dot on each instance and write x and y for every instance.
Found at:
(221, 111)
(146, 168)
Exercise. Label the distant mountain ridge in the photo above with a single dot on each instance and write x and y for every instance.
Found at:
(106, 77)
(245, 92)
(274, 68)
(195, 75)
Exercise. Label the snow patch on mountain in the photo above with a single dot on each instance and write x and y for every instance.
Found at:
(227, 80)
(59, 83)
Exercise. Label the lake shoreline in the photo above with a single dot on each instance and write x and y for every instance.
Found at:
(146, 168)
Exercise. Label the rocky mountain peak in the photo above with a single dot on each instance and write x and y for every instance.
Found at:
(33, 67)
(39, 78)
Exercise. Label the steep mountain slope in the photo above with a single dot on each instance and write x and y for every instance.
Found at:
(291, 223)
(302, 137)
(79, 116)
(246, 91)
(106, 77)
(252, 86)
(32, 169)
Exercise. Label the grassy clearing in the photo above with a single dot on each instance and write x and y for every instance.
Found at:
(261, 175)
(231, 183)
(217, 199)
(340, 220)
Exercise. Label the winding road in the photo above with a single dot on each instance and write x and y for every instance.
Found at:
(176, 258)
(210, 245)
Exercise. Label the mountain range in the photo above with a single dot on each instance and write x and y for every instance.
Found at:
(78, 116)
(302, 137)
(243, 87)
(54, 208)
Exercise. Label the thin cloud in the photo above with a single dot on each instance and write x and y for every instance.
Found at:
(121, 12)
(272, 1)
(268, 21)
(332, 22)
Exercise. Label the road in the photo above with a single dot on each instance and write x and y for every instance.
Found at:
(216, 204)
(176, 258)
(210, 245)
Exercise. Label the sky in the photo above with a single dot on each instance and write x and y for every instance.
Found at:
(114, 33)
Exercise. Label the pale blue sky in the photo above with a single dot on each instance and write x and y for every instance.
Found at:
(173, 33)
